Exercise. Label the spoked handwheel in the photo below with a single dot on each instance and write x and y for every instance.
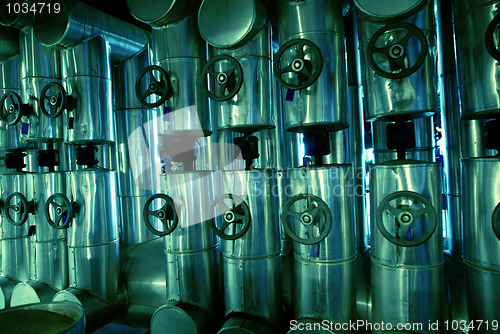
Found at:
(17, 208)
(313, 215)
(396, 63)
(232, 217)
(298, 64)
(227, 75)
(54, 100)
(12, 108)
(58, 211)
(158, 86)
(404, 217)
(167, 215)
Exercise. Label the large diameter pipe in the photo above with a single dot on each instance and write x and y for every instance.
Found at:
(77, 22)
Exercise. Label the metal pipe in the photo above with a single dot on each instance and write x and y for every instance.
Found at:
(77, 22)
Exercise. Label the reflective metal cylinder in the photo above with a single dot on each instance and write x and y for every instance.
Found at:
(10, 80)
(77, 21)
(15, 240)
(411, 94)
(408, 295)
(332, 257)
(255, 256)
(40, 66)
(49, 255)
(93, 241)
(481, 202)
(323, 105)
(87, 78)
(413, 177)
(137, 150)
(475, 28)
(183, 61)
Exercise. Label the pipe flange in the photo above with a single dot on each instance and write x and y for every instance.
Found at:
(301, 71)
(316, 218)
(227, 75)
(396, 51)
(495, 221)
(12, 108)
(158, 85)
(22, 208)
(63, 213)
(54, 100)
(167, 214)
(404, 217)
(236, 215)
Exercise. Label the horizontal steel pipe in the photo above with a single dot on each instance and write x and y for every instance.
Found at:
(77, 22)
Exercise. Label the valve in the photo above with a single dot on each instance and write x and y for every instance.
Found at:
(12, 108)
(167, 214)
(316, 218)
(405, 216)
(64, 212)
(489, 38)
(158, 84)
(22, 208)
(304, 67)
(495, 221)
(227, 74)
(54, 100)
(236, 215)
(396, 51)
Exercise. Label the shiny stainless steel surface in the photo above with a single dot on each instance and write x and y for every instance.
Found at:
(334, 185)
(77, 22)
(144, 273)
(321, 106)
(418, 177)
(10, 80)
(246, 18)
(408, 295)
(6, 286)
(57, 317)
(477, 69)
(137, 129)
(9, 42)
(88, 81)
(409, 97)
(472, 139)
(182, 318)
(389, 9)
(246, 325)
(315, 299)
(481, 177)
(481, 302)
(38, 60)
(251, 109)
(164, 13)
(31, 292)
(49, 256)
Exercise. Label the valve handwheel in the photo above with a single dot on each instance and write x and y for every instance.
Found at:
(495, 221)
(227, 74)
(236, 215)
(316, 218)
(12, 108)
(53, 100)
(301, 71)
(167, 214)
(396, 51)
(63, 211)
(18, 203)
(489, 37)
(405, 216)
(158, 85)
